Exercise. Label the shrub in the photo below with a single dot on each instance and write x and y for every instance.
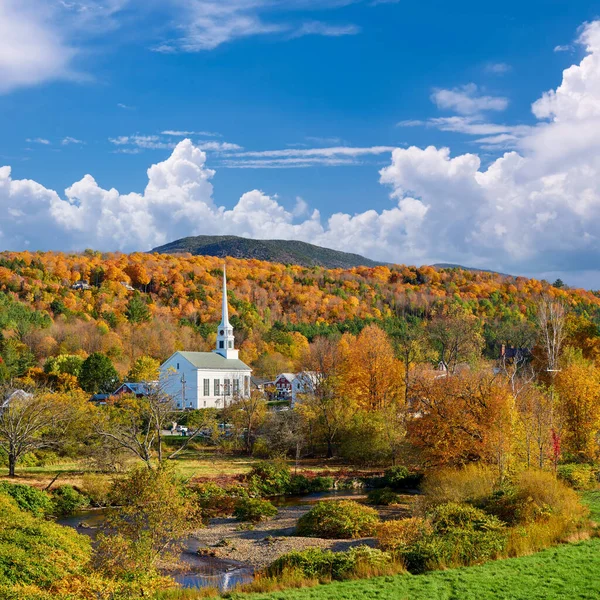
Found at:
(254, 510)
(473, 483)
(536, 496)
(326, 565)
(216, 501)
(580, 477)
(37, 552)
(395, 476)
(394, 535)
(269, 478)
(338, 520)
(400, 478)
(301, 484)
(96, 488)
(67, 500)
(383, 496)
(28, 498)
(453, 535)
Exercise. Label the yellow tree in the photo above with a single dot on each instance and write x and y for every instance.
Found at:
(578, 388)
(372, 376)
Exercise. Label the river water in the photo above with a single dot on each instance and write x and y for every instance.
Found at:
(201, 571)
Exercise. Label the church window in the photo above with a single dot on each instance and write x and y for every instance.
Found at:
(227, 387)
(246, 385)
(221, 344)
(230, 344)
(178, 366)
(221, 332)
(217, 387)
(236, 387)
(207, 387)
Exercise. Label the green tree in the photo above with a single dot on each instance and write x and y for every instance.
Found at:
(98, 375)
(137, 310)
(69, 364)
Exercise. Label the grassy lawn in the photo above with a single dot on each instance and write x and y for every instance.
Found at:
(592, 499)
(196, 461)
(568, 571)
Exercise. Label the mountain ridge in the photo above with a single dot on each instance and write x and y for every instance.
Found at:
(275, 250)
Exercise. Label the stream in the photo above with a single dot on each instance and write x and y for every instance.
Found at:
(204, 571)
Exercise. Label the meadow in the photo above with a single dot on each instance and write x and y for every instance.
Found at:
(567, 571)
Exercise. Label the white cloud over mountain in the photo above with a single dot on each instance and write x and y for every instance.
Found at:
(535, 209)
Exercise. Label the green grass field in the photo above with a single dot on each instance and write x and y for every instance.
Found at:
(565, 572)
(569, 571)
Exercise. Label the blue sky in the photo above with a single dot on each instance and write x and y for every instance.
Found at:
(99, 83)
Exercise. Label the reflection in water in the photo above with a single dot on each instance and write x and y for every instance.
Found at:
(207, 571)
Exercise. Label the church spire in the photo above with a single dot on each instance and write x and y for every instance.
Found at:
(225, 308)
(225, 339)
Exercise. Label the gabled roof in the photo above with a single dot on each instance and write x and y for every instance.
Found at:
(289, 376)
(139, 389)
(212, 360)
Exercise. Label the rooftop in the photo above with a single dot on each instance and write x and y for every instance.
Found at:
(212, 360)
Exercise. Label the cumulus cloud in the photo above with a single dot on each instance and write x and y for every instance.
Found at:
(534, 210)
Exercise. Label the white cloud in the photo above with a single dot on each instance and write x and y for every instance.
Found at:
(499, 68)
(563, 48)
(71, 140)
(38, 140)
(125, 106)
(325, 29)
(32, 50)
(535, 210)
(467, 100)
(133, 144)
(176, 133)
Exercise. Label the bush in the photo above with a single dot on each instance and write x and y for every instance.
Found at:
(394, 535)
(535, 496)
(96, 488)
(253, 510)
(341, 519)
(580, 477)
(216, 501)
(301, 484)
(472, 483)
(28, 498)
(451, 516)
(325, 565)
(453, 535)
(66, 500)
(401, 478)
(37, 552)
(269, 478)
(383, 496)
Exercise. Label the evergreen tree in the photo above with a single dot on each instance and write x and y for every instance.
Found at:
(98, 375)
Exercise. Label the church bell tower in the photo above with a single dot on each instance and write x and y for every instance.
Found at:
(225, 340)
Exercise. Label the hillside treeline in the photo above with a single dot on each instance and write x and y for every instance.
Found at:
(277, 310)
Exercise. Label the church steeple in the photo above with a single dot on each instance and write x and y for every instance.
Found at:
(225, 339)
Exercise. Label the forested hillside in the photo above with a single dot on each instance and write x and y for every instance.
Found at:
(275, 309)
(281, 251)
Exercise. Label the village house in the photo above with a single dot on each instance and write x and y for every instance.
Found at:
(207, 379)
(304, 382)
(283, 385)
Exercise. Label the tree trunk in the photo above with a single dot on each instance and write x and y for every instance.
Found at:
(12, 462)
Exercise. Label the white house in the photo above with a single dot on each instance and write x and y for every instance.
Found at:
(304, 382)
(207, 379)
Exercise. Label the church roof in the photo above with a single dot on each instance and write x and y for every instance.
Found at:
(212, 360)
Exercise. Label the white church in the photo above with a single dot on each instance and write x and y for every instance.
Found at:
(208, 379)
